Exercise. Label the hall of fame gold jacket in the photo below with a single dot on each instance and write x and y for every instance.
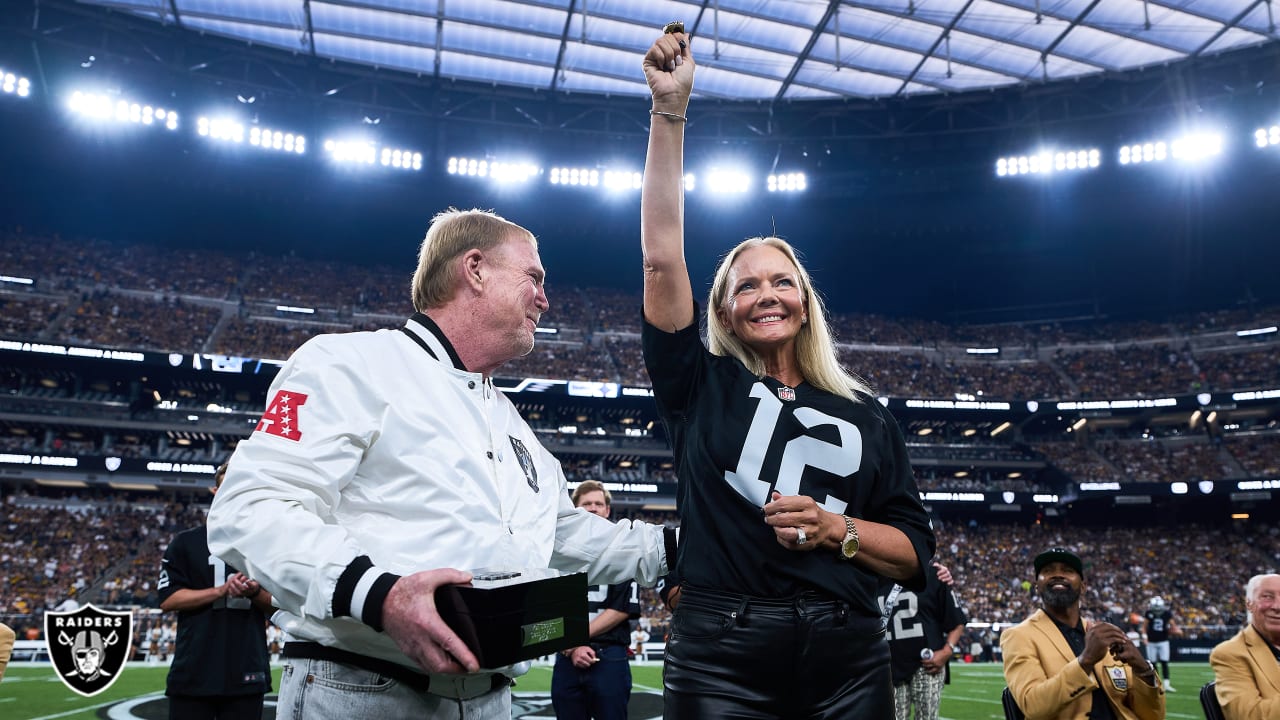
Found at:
(1248, 677)
(1048, 683)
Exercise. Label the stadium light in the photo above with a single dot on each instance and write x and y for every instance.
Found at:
(574, 176)
(277, 140)
(351, 151)
(14, 84)
(403, 159)
(622, 180)
(223, 129)
(1188, 148)
(499, 171)
(1266, 137)
(1049, 161)
(725, 182)
(102, 108)
(787, 182)
(1197, 146)
(230, 130)
(1144, 153)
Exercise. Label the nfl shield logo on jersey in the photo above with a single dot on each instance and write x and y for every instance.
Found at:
(88, 647)
(526, 462)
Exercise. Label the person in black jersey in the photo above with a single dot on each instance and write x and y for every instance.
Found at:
(795, 494)
(594, 680)
(1157, 627)
(220, 665)
(923, 627)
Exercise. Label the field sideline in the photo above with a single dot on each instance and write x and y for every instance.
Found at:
(32, 692)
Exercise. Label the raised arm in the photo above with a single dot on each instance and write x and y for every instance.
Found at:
(668, 294)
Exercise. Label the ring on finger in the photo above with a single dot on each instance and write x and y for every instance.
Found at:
(801, 537)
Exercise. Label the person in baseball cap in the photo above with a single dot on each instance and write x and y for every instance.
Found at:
(1060, 665)
(1062, 555)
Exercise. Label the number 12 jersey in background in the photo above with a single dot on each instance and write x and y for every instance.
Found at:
(222, 648)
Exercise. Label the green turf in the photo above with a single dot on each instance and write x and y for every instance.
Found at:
(32, 693)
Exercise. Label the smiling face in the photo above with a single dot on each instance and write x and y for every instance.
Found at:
(764, 305)
(1059, 585)
(515, 279)
(1264, 607)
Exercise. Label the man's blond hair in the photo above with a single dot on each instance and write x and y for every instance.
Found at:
(452, 233)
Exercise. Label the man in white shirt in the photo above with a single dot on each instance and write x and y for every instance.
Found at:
(386, 465)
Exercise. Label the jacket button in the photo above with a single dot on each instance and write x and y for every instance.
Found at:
(489, 454)
(471, 384)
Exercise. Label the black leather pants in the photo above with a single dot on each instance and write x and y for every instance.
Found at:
(732, 656)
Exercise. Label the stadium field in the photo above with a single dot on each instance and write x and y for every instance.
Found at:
(32, 692)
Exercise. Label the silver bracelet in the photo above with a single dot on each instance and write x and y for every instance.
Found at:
(673, 116)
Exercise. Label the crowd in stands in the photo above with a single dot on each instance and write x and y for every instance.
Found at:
(1198, 568)
(105, 546)
(86, 291)
(98, 546)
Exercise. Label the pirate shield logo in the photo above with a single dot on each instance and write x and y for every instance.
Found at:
(88, 647)
(526, 462)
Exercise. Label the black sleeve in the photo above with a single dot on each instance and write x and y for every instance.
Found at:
(673, 361)
(174, 571)
(625, 598)
(896, 500)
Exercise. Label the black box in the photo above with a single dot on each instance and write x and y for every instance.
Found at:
(506, 616)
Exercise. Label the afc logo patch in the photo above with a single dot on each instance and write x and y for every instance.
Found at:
(88, 647)
(281, 417)
(526, 462)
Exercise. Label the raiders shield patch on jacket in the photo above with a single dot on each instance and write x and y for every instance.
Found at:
(526, 462)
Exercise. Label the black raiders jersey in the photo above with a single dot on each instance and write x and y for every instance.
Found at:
(1158, 622)
(623, 597)
(737, 437)
(920, 620)
(221, 648)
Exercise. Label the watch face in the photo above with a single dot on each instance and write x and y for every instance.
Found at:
(849, 547)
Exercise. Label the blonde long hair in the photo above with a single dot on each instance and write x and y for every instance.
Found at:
(815, 351)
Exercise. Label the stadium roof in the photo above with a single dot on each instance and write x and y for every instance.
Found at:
(747, 49)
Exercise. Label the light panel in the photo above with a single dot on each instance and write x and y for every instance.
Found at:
(787, 182)
(623, 180)
(265, 138)
(499, 171)
(1188, 148)
(99, 107)
(1049, 161)
(574, 176)
(1266, 137)
(402, 159)
(14, 84)
(725, 182)
(356, 152)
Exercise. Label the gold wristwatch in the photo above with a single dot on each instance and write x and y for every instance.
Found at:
(849, 546)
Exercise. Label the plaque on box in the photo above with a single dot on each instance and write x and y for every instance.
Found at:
(506, 616)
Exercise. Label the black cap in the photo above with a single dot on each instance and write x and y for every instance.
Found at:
(1061, 555)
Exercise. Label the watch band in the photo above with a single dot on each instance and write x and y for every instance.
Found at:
(850, 536)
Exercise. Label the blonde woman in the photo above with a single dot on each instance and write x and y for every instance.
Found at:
(795, 493)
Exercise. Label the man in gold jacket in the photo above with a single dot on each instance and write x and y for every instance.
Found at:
(1247, 667)
(1061, 667)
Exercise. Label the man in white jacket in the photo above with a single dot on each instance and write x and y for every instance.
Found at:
(386, 465)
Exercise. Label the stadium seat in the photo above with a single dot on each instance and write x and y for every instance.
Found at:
(1011, 709)
(1209, 701)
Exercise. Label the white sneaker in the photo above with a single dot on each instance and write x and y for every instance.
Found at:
(1168, 687)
